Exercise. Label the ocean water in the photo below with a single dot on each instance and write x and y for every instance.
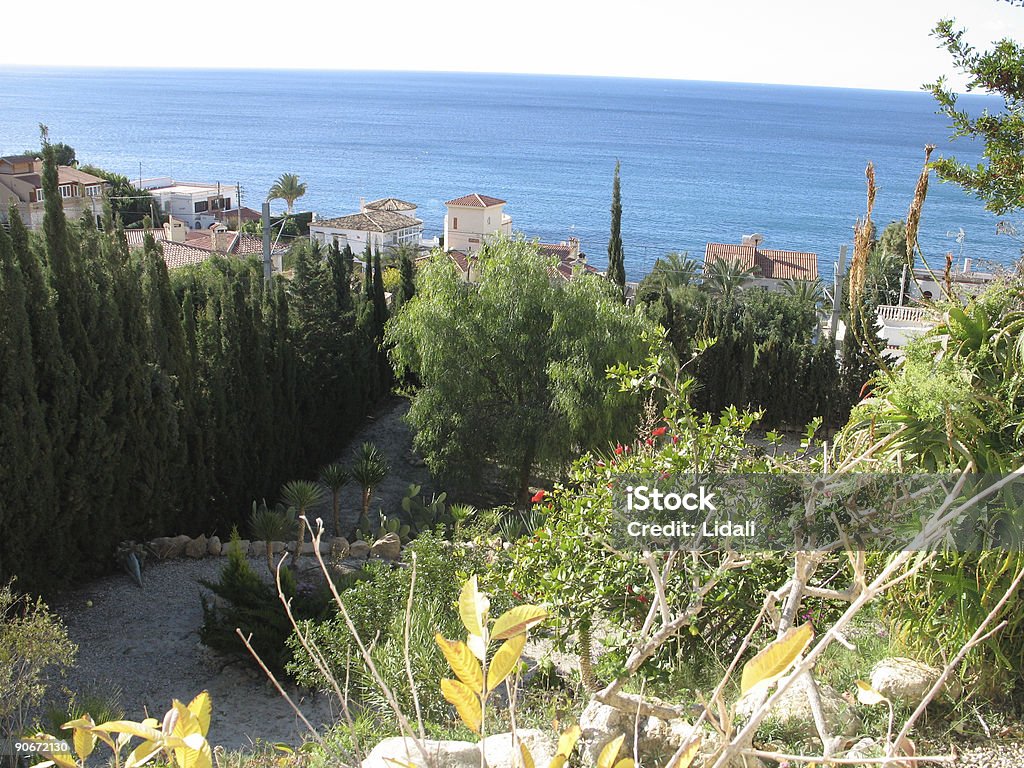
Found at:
(700, 161)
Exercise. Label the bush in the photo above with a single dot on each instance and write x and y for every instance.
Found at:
(32, 642)
(251, 604)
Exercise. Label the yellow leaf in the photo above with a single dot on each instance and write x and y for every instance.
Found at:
(82, 722)
(186, 724)
(868, 695)
(516, 621)
(142, 754)
(461, 660)
(558, 761)
(84, 741)
(466, 702)
(63, 759)
(774, 660)
(689, 754)
(127, 726)
(197, 753)
(626, 762)
(567, 741)
(399, 763)
(202, 707)
(505, 661)
(477, 646)
(473, 605)
(611, 750)
(527, 757)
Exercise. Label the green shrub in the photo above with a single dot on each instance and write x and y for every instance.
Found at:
(32, 642)
(253, 605)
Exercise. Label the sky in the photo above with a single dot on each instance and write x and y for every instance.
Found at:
(857, 43)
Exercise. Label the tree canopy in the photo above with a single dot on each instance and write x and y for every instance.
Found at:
(287, 188)
(999, 180)
(513, 369)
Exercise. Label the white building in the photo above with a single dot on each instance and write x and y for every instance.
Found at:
(382, 224)
(196, 204)
(471, 219)
(897, 326)
(965, 283)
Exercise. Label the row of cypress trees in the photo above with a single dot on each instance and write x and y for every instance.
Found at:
(136, 403)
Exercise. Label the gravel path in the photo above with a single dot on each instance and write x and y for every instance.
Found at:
(146, 641)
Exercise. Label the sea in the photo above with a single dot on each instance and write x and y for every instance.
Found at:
(700, 161)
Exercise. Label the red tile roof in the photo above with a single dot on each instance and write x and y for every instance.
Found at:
(183, 255)
(461, 260)
(392, 204)
(137, 237)
(475, 201)
(776, 265)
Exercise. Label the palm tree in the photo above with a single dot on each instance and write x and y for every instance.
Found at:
(675, 270)
(369, 469)
(335, 477)
(269, 525)
(300, 495)
(287, 188)
(808, 293)
(725, 277)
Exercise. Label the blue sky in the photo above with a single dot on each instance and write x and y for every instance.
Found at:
(847, 43)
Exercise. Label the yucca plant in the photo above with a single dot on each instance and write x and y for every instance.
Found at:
(269, 525)
(369, 469)
(335, 477)
(300, 495)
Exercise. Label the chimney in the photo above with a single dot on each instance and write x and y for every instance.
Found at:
(967, 265)
(574, 247)
(362, 205)
(220, 239)
(174, 230)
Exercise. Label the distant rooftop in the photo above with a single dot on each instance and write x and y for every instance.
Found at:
(475, 200)
(370, 221)
(771, 264)
(392, 204)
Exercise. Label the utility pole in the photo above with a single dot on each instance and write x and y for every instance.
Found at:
(837, 298)
(266, 241)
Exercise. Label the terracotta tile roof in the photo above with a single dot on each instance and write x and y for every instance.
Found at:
(371, 221)
(775, 265)
(137, 237)
(475, 201)
(12, 159)
(248, 214)
(392, 204)
(183, 255)
(237, 244)
(461, 260)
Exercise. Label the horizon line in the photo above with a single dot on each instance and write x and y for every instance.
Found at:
(321, 70)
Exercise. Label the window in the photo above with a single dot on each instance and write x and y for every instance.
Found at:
(39, 195)
(455, 222)
(202, 206)
(66, 190)
(94, 190)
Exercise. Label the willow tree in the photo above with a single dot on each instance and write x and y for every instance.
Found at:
(513, 368)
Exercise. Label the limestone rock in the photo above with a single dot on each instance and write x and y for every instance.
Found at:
(908, 681)
(601, 723)
(196, 548)
(794, 710)
(214, 546)
(277, 547)
(659, 739)
(498, 750)
(359, 550)
(339, 547)
(168, 547)
(387, 547)
(242, 544)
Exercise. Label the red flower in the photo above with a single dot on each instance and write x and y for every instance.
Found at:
(538, 496)
(649, 441)
(659, 431)
(675, 439)
(619, 449)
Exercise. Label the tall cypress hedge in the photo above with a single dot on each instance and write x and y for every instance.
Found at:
(136, 402)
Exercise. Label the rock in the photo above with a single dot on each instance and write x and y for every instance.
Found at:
(196, 548)
(242, 544)
(793, 711)
(866, 747)
(387, 547)
(339, 547)
(599, 724)
(277, 547)
(908, 681)
(214, 546)
(498, 751)
(659, 739)
(359, 550)
(167, 547)
(257, 549)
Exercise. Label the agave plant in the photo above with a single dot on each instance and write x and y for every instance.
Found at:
(335, 477)
(269, 525)
(300, 495)
(369, 469)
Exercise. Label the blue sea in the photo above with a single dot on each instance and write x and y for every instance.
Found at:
(700, 161)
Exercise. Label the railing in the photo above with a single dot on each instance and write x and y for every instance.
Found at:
(892, 313)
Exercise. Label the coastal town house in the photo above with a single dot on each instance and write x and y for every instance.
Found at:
(382, 225)
(199, 205)
(471, 219)
(21, 182)
(184, 246)
(770, 269)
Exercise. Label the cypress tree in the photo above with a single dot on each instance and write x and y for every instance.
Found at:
(616, 256)
(380, 304)
(407, 287)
